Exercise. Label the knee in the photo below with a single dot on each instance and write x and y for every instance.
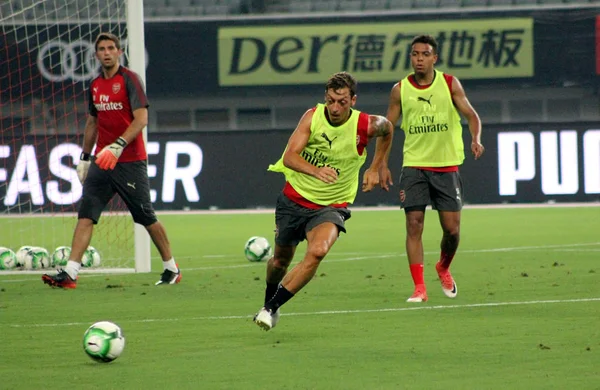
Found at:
(452, 231)
(282, 257)
(281, 263)
(149, 226)
(319, 250)
(85, 222)
(414, 226)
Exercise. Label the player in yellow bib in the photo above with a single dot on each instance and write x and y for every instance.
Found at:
(430, 103)
(321, 165)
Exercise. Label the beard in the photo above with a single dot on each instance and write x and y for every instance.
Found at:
(110, 65)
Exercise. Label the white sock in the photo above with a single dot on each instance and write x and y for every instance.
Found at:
(73, 268)
(170, 265)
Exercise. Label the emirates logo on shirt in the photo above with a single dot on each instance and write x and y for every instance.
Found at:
(106, 105)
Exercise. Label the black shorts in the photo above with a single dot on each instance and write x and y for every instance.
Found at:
(294, 221)
(442, 190)
(129, 180)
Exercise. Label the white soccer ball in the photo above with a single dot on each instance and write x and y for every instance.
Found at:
(34, 258)
(91, 257)
(258, 249)
(60, 256)
(21, 254)
(8, 259)
(103, 341)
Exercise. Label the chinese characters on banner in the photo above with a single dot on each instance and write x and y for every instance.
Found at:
(376, 52)
(498, 48)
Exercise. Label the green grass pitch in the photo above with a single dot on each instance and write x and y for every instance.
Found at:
(527, 315)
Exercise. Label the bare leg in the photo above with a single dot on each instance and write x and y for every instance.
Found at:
(450, 222)
(320, 240)
(277, 268)
(161, 241)
(415, 221)
(278, 264)
(67, 277)
(81, 238)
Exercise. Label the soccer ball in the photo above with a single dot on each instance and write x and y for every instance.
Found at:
(103, 341)
(61, 255)
(8, 258)
(21, 254)
(258, 249)
(91, 257)
(34, 258)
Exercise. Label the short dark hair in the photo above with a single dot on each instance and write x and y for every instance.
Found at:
(427, 39)
(342, 80)
(104, 36)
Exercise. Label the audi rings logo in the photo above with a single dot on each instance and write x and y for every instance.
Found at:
(60, 61)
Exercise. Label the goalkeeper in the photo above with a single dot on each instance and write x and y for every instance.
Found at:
(118, 112)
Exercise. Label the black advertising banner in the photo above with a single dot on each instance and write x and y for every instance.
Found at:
(228, 57)
(228, 170)
(597, 44)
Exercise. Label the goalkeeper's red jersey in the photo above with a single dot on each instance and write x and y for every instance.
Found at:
(112, 101)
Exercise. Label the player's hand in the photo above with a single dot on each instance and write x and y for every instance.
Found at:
(108, 157)
(83, 167)
(385, 178)
(477, 149)
(370, 179)
(326, 174)
(382, 176)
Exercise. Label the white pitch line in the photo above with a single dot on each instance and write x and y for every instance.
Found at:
(270, 210)
(388, 255)
(518, 248)
(510, 249)
(576, 250)
(555, 248)
(402, 255)
(328, 312)
(507, 249)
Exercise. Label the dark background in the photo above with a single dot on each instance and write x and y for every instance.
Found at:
(564, 43)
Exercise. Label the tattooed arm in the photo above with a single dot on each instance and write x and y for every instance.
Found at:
(379, 172)
(379, 126)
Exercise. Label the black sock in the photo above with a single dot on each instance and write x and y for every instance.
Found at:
(270, 291)
(281, 296)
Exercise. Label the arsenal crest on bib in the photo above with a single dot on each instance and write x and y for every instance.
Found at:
(116, 87)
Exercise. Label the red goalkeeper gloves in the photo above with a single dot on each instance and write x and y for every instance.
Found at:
(108, 157)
